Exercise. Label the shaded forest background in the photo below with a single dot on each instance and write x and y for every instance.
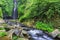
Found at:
(36, 13)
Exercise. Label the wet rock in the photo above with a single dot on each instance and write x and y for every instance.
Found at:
(20, 32)
(17, 31)
(11, 23)
(10, 33)
(55, 33)
(25, 34)
(2, 21)
(20, 24)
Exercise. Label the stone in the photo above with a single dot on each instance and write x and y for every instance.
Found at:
(2, 30)
(55, 33)
(10, 33)
(2, 21)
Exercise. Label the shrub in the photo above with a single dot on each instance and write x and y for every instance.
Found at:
(44, 26)
(38, 8)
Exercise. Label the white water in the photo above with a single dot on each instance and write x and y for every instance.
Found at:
(41, 35)
(15, 12)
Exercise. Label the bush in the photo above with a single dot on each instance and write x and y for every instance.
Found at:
(44, 26)
(42, 9)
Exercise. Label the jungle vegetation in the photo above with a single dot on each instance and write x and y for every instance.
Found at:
(45, 12)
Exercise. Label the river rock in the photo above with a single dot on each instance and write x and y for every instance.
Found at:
(55, 33)
(2, 21)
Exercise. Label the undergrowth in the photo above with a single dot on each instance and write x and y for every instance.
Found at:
(2, 34)
(44, 26)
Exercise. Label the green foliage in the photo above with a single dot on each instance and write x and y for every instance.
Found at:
(38, 8)
(1, 12)
(2, 34)
(44, 26)
(28, 9)
(7, 5)
(15, 37)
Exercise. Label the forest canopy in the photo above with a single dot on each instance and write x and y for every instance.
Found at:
(30, 9)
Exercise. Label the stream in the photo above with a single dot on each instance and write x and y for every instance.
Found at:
(33, 33)
(39, 35)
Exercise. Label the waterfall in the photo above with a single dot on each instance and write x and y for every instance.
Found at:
(15, 12)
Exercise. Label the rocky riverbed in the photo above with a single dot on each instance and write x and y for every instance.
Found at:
(23, 32)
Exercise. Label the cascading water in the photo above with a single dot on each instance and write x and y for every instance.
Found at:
(39, 35)
(15, 12)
